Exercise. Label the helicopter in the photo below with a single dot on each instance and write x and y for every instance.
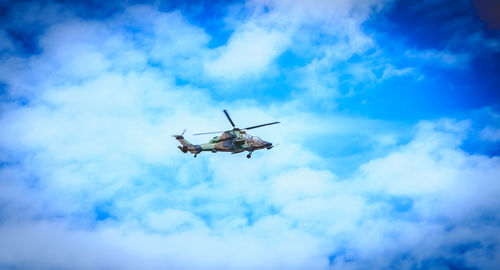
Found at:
(234, 141)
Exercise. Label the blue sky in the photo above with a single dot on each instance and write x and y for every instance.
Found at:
(388, 142)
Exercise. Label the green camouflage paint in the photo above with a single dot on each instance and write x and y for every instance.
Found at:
(233, 141)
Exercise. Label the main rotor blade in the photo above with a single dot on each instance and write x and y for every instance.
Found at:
(209, 133)
(261, 125)
(229, 118)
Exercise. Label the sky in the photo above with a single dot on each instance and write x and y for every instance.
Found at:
(387, 151)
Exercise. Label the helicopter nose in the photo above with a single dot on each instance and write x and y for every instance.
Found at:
(267, 145)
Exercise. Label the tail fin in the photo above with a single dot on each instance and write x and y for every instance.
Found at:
(186, 145)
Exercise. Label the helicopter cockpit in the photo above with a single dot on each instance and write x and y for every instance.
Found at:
(253, 138)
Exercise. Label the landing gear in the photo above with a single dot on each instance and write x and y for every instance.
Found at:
(195, 154)
(249, 155)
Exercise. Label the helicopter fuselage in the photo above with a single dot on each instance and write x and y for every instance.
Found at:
(234, 141)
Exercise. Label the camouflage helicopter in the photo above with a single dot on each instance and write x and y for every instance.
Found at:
(234, 141)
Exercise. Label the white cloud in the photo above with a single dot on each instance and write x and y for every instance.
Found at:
(248, 52)
(391, 71)
(92, 179)
(269, 28)
(315, 214)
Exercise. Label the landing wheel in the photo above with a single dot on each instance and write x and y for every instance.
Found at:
(195, 155)
(249, 155)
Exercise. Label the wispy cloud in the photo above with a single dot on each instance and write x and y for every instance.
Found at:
(443, 58)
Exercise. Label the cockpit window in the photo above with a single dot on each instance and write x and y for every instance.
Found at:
(246, 136)
(257, 139)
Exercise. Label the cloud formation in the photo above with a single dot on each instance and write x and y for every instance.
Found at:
(91, 179)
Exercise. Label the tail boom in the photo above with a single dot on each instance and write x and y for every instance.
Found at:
(187, 146)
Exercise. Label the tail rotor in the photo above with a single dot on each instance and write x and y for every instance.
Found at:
(180, 136)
